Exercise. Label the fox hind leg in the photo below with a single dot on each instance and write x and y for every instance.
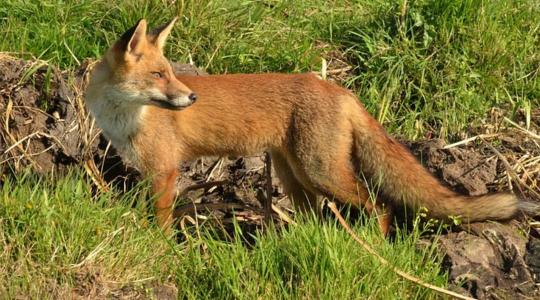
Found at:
(303, 199)
(346, 188)
(330, 169)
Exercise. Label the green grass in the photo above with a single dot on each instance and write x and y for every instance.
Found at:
(57, 237)
(422, 67)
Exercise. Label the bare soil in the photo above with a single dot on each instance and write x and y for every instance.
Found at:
(45, 127)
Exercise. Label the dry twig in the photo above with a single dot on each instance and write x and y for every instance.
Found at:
(282, 215)
(204, 185)
(471, 139)
(193, 208)
(268, 173)
(511, 171)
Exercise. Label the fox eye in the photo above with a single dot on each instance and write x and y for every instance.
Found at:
(157, 75)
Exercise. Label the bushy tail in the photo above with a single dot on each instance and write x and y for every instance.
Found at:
(405, 181)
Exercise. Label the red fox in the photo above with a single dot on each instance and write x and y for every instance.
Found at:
(319, 135)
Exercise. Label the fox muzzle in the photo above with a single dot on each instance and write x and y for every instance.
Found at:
(175, 102)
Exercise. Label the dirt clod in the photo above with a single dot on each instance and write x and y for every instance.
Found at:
(485, 260)
(466, 170)
(38, 122)
(488, 261)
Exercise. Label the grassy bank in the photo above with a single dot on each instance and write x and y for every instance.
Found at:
(60, 241)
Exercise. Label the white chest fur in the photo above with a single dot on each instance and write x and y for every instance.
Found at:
(120, 124)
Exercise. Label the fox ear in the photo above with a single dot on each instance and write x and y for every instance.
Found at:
(133, 40)
(162, 32)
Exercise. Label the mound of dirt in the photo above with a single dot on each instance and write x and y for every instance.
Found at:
(45, 127)
(39, 119)
(489, 260)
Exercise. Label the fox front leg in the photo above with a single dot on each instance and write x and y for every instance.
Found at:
(164, 189)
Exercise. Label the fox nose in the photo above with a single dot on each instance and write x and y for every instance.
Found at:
(192, 97)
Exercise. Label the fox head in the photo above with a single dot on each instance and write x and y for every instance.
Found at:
(137, 73)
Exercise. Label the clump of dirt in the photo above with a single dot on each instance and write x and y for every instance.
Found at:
(45, 127)
(234, 196)
(39, 121)
(489, 260)
(508, 160)
(466, 170)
